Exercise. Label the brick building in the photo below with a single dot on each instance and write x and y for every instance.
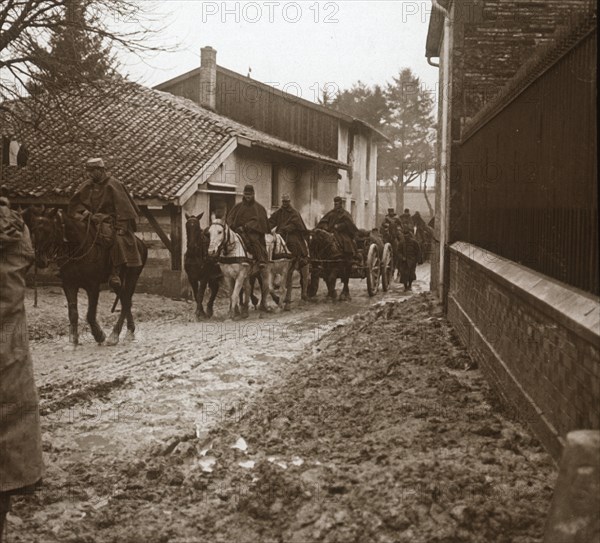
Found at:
(516, 201)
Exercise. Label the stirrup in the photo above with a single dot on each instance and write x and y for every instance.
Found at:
(114, 282)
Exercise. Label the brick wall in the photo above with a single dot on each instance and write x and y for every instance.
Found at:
(536, 339)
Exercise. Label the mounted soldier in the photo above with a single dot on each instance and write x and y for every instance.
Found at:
(105, 201)
(339, 222)
(249, 219)
(406, 221)
(290, 226)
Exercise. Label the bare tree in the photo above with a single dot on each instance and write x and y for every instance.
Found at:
(27, 28)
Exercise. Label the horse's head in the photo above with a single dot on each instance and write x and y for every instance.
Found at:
(194, 234)
(218, 237)
(47, 229)
(322, 243)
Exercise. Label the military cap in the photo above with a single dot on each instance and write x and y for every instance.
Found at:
(248, 189)
(94, 163)
(285, 197)
(337, 199)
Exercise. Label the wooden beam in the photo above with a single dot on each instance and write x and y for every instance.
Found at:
(176, 237)
(154, 223)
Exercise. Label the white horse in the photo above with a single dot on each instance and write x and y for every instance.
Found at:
(280, 263)
(237, 266)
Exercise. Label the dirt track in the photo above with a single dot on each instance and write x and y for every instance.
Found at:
(369, 415)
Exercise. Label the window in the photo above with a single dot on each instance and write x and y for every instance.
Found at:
(13, 152)
(350, 147)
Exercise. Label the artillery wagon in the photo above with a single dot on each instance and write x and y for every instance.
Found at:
(372, 261)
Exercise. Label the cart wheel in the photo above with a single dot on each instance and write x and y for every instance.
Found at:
(387, 267)
(373, 270)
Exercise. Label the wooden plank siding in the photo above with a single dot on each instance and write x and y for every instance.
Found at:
(250, 103)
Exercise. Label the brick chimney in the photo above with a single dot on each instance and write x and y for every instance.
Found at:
(208, 77)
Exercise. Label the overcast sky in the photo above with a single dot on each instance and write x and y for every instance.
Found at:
(298, 46)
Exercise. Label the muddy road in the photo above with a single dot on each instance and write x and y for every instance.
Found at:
(332, 422)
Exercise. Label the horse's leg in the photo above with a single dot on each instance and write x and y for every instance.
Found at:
(234, 308)
(130, 282)
(288, 286)
(125, 294)
(274, 296)
(201, 289)
(245, 313)
(266, 289)
(214, 290)
(304, 274)
(313, 286)
(194, 284)
(93, 293)
(330, 282)
(240, 295)
(251, 283)
(71, 294)
(346, 271)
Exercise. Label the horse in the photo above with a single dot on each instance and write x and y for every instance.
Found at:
(237, 266)
(324, 246)
(200, 269)
(83, 263)
(281, 262)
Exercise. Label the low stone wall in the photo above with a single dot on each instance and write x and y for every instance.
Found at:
(536, 339)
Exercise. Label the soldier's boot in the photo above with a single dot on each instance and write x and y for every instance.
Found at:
(114, 281)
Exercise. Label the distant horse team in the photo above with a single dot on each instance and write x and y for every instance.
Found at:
(91, 243)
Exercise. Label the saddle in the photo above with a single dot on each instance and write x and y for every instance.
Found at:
(104, 229)
(280, 249)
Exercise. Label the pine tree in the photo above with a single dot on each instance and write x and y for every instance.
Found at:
(74, 55)
(403, 111)
(410, 125)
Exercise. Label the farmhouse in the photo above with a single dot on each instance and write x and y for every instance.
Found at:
(190, 152)
(288, 117)
(174, 156)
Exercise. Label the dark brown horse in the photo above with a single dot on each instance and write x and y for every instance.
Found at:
(200, 269)
(328, 263)
(83, 263)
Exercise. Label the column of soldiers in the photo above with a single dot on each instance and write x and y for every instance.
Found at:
(400, 232)
(103, 195)
(249, 219)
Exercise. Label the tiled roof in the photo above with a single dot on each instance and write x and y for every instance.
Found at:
(151, 141)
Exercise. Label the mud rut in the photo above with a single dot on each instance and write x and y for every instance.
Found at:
(111, 416)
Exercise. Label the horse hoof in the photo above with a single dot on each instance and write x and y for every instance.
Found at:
(286, 307)
(265, 309)
(209, 312)
(112, 340)
(101, 339)
(200, 316)
(129, 336)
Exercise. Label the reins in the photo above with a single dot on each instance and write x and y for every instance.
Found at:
(54, 256)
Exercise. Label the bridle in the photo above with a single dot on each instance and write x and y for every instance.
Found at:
(198, 246)
(54, 256)
(226, 237)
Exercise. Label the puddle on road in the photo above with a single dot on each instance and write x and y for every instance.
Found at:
(92, 441)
